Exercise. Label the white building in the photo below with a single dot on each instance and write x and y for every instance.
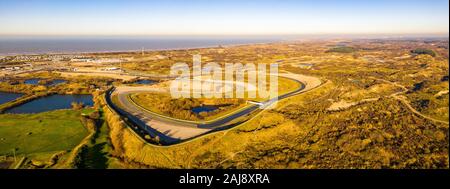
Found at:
(108, 60)
(112, 69)
(82, 60)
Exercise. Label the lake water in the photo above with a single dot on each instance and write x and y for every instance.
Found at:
(6, 97)
(32, 81)
(35, 81)
(49, 103)
(41, 45)
(200, 109)
(145, 82)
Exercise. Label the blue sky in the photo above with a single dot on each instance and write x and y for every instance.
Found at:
(220, 17)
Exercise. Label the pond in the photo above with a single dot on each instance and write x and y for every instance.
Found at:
(200, 109)
(49, 103)
(35, 81)
(32, 81)
(145, 82)
(6, 97)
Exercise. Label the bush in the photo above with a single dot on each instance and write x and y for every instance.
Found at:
(116, 130)
(77, 106)
(95, 115)
(424, 51)
(203, 114)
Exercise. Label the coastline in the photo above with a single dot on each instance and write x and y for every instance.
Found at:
(137, 50)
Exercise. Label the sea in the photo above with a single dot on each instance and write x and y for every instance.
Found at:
(62, 45)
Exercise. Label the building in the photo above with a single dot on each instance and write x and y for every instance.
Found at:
(112, 69)
(81, 60)
(108, 60)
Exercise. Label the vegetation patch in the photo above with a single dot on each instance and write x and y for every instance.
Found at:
(164, 104)
(40, 136)
(424, 51)
(341, 50)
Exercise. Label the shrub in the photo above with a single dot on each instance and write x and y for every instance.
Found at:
(95, 115)
(424, 51)
(77, 106)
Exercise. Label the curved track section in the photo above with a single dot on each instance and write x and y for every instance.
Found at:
(170, 130)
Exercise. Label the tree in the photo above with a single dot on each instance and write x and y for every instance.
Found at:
(77, 106)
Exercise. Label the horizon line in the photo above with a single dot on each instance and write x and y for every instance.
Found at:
(436, 34)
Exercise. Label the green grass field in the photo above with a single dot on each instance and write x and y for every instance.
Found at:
(96, 156)
(37, 133)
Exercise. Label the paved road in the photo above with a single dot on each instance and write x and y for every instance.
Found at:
(172, 130)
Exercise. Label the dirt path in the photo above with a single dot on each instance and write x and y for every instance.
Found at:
(98, 74)
(408, 105)
(398, 96)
